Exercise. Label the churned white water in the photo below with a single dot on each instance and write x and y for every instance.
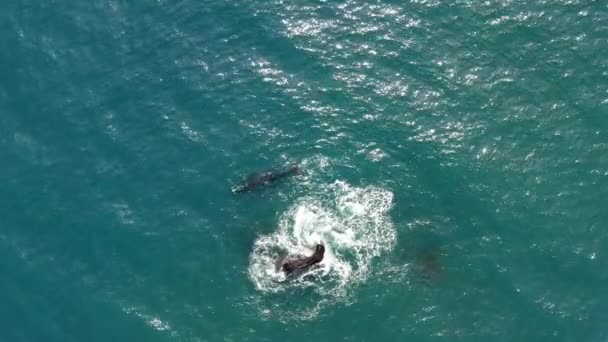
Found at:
(354, 225)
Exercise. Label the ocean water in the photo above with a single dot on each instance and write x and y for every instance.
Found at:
(454, 158)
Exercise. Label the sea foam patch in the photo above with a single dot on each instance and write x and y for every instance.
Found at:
(353, 224)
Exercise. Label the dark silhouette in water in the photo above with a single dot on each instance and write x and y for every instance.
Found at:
(257, 180)
(428, 266)
(303, 262)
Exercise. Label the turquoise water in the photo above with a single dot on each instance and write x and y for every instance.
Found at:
(454, 154)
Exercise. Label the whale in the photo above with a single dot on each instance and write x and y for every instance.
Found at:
(260, 179)
(297, 263)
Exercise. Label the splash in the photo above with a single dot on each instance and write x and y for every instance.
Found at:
(351, 222)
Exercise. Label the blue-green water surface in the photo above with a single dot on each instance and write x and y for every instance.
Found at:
(454, 158)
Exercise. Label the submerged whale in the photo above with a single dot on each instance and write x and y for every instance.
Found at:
(428, 266)
(257, 180)
(303, 262)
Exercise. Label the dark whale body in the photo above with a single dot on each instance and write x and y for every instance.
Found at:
(304, 262)
(258, 180)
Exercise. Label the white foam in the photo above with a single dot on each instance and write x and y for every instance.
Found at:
(351, 222)
(152, 321)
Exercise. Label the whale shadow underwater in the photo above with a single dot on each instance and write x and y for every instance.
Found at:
(258, 180)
